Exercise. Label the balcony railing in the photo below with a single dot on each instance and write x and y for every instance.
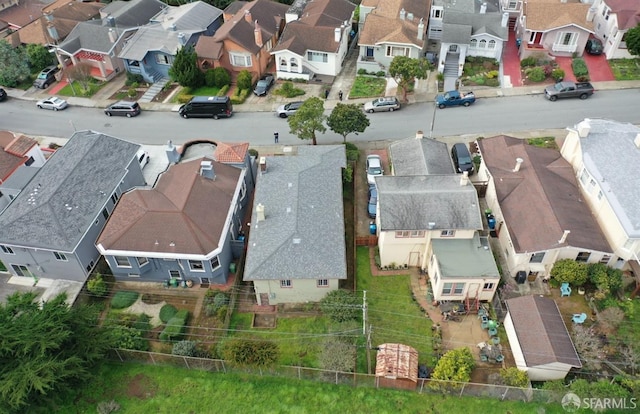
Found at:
(557, 47)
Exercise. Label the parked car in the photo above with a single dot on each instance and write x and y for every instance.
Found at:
(289, 109)
(46, 77)
(207, 107)
(52, 102)
(374, 168)
(123, 108)
(3, 95)
(455, 98)
(594, 47)
(372, 196)
(388, 103)
(462, 158)
(567, 89)
(143, 157)
(264, 84)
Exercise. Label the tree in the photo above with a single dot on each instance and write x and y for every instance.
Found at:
(258, 353)
(39, 57)
(45, 349)
(633, 40)
(341, 305)
(81, 73)
(221, 77)
(513, 377)
(455, 365)
(569, 271)
(406, 70)
(184, 348)
(308, 120)
(97, 286)
(347, 118)
(14, 66)
(185, 69)
(244, 80)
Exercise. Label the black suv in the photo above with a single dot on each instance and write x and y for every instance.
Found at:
(46, 77)
(123, 108)
(3, 95)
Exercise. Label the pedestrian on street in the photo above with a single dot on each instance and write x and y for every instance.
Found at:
(326, 93)
(275, 137)
(340, 95)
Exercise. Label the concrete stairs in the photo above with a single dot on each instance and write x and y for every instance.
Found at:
(154, 90)
(450, 72)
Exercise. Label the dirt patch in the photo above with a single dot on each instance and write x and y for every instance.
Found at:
(165, 93)
(141, 387)
(264, 320)
(153, 311)
(123, 94)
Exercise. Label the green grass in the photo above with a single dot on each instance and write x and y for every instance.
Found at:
(543, 142)
(394, 315)
(366, 86)
(69, 89)
(625, 69)
(160, 389)
(124, 299)
(205, 91)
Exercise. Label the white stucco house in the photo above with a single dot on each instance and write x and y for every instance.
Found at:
(612, 19)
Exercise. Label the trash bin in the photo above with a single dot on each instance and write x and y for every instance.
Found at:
(372, 227)
(232, 267)
(174, 282)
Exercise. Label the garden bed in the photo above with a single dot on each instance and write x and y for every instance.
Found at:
(481, 71)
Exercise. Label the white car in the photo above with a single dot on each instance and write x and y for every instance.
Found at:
(143, 157)
(374, 168)
(388, 103)
(52, 102)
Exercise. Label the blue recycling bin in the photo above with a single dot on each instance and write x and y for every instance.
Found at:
(372, 228)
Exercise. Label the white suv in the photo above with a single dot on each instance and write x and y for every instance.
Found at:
(374, 168)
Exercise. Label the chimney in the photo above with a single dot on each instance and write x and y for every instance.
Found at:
(182, 38)
(432, 225)
(591, 13)
(247, 16)
(53, 32)
(263, 165)
(483, 8)
(113, 36)
(464, 179)
(419, 135)
(583, 129)
(518, 164)
(505, 19)
(260, 213)
(172, 153)
(257, 34)
(337, 32)
(410, 16)
(111, 21)
(637, 140)
(564, 236)
(206, 170)
(402, 14)
(421, 29)
(172, 27)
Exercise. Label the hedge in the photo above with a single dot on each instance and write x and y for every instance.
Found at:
(240, 96)
(579, 67)
(124, 299)
(175, 327)
(167, 312)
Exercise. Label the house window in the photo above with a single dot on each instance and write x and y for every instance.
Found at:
(317, 57)
(583, 257)
(6, 249)
(323, 282)
(114, 198)
(215, 263)
(567, 39)
(142, 261)
(21, 270)
(453, 48)
(488, 286)
(293, 63)
(436, 13)
(196, 266)
(283, 62)
(584, 176)
(606, 12)
(600, 195)
(513, 5)
(474, 43)
(29, 161)
(285, 283)
(134, 63)
(133, 275)
(605, 259)
(483, 44)
(447, 233)
(417, 233)
(122, 261)
(492, 44)
(240, 60)
(370, 52)
(105, 213)
(162, 59)
(453, 289)
(243, 191)
(174, 274)
(403, 234)
(397, 51)
(61, 257)
(537, 257)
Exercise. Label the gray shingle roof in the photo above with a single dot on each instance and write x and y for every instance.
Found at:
(191, 16)
(465, 258)
(153, 38)
(302, 236)
(612, 157)
(457, 25)
(412, 202)
(420, 156)
(68, 192)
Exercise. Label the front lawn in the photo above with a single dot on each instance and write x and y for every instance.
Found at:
(75, 89)
(625, 69)
(205, 91)
(367, 87)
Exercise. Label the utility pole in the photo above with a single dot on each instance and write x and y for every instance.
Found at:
(369, 349)
(364, 330)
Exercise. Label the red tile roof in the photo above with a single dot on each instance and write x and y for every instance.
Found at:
(398, 361)
(231, 153)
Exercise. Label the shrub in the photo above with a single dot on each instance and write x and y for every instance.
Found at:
(244, 80)
(579, 67)
(492, 82)
(362, 71)
(223, 91)
(340, 305)
(259, 353)
(141, 323)
(134, 85)
(513, 377)
(381, 73)
(557, 74)
(222, 312)
(184, 348)
(108, 407)
(289, 91)
(127, 337)
(184, 98)
(132, 93)
(220, 299)
(253, 152)
(97, 286)
(353, 153)
(210, 78)
(492, 74)
(455, 365)
(133, 78)
(124, 299)
(167, 312)
(175, 327)
(347, 174)
(337, 355)
(569, 271)
(535, 74)
(528, 62)
(222, 77)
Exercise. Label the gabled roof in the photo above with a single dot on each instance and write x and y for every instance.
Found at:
(384, 25)
(196, 16)
(68, 192)
(541, 332)
(185, 213)
(543, 16)
(154, 38)
(465, 258)
(480, 23)
(23, 13)
(314, 29)
(611, 155)
(627, 12)
(231, 153)
(132, 13)
(398, 361)
(413, 202)
(541, 200)
(302, 236)
(13, 150)
(420, 156)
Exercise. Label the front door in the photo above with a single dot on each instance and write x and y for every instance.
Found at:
(453, 48)
(474, 289)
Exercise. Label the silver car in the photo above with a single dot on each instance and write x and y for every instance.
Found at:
(386, 104)
(289, 109)
(52, 102)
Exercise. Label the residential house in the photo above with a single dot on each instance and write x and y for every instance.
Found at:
(603, 154)
(397, 366)
(98, 42)
(296, 251)
(612, 19)
(57, 21)
(20, 158)
(554, 27)
(185, 227)
(315, 40)
(151, 50)
(513, 8)
(420, 156)
(19, 13)
(50, 228)
(390, 28)
(540, 215)
(466, 28)
(538, 338)
(246, 39)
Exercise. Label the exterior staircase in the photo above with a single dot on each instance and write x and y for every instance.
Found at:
(472, 304)
(450, 71)
(154, 90)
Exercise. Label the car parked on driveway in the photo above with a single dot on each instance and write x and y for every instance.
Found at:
(52, 102)
(462, 158)
(46, 77)
(3, 95)
(385, 104)
(264, 84)
(123, 108)
(594, 47)
(289, 109)
(374, 168)
(372, 196)
(455, 98)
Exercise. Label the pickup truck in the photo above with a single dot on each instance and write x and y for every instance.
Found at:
(580, 90)
(454, 98)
